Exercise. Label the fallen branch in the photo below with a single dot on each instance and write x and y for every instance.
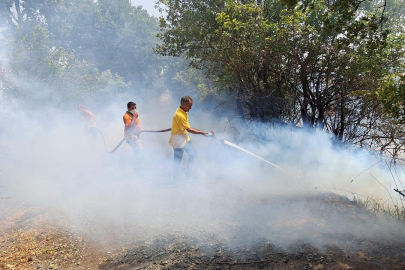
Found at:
(400, 192)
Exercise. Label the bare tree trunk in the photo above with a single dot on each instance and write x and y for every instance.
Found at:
(239, 106)
(19, 12)
(321, 117)
(342, 120)
(306, 119)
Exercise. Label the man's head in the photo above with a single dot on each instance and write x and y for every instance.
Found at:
(186, 103)
(81, 107)
(131, 106)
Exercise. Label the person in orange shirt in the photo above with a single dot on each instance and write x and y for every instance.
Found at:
(88, 119)
(133, 129)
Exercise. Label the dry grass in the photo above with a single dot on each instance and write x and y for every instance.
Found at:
(388, 208)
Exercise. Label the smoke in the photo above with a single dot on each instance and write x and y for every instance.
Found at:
(53, 163)
(48, 160)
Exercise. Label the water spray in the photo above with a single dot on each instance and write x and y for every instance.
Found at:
(212, 135)
(246, 151)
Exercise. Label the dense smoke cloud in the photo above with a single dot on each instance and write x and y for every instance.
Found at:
(51, 162)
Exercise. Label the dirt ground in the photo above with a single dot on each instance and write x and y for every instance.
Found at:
(33, 238)
(29, 239)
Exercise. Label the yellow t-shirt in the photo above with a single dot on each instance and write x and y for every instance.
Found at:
(179, 136)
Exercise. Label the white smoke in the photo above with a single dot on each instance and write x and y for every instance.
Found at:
(52, 162)
(48, 160)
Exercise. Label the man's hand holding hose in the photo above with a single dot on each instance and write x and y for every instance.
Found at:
(199, 132)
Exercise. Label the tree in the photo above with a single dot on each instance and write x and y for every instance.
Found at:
(287, 60)
(53, 76)
(392, 97)
(112, 35)
(85, 35)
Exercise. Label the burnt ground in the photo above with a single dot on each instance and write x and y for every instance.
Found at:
(33, 238)
(180, 253)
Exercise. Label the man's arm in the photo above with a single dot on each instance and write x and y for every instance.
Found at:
(197, 131)
(183, 123)
(135, 116)
(129, 122)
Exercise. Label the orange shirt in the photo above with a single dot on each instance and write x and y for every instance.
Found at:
(132, 126)
(88, 118)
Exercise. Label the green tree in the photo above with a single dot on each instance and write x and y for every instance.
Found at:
(288, 60)
(53, 76)
(111, 35)
(391, 94)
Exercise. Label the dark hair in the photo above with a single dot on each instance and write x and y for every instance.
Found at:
(130, 104)
(185, 99)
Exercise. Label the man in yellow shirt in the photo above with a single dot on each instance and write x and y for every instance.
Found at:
(132, 129)
(179, 139)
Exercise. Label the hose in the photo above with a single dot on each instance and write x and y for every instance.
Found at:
(156, 131)
(112, 151)
(105, 145)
